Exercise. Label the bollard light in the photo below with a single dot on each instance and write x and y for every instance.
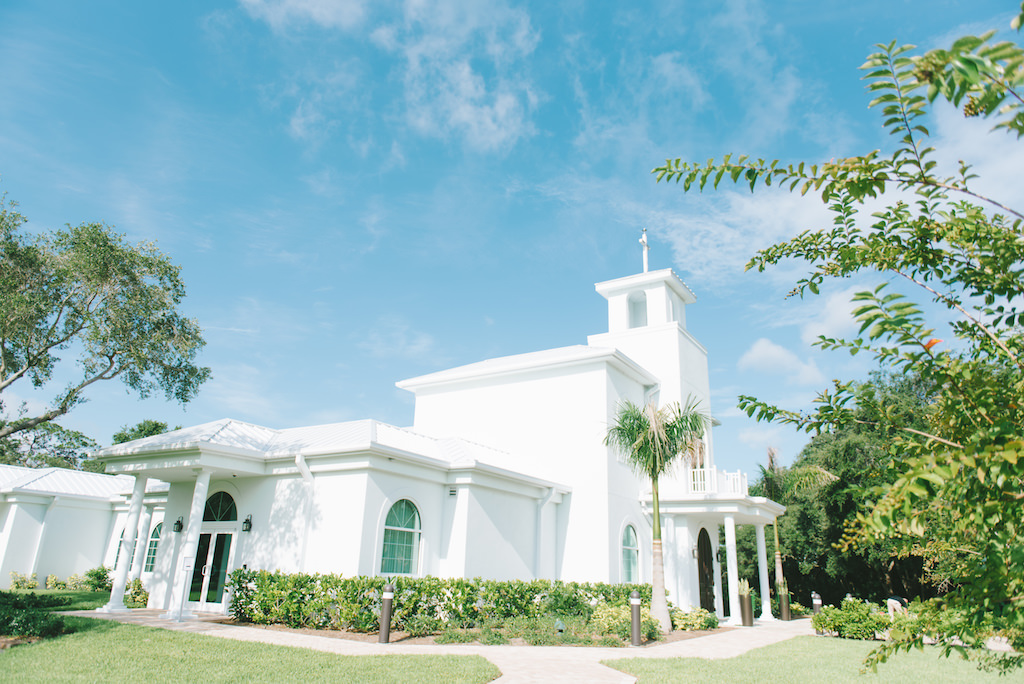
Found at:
(385, 613)
(559, 627)
(634, 610)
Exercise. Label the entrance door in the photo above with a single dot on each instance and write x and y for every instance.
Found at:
(705, 571)
(206, 591)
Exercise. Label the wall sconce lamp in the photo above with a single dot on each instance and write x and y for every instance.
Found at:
(247, 523)
(179, 524)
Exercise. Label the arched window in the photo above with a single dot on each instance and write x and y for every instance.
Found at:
(637, 309)
(630, 556)
(154, 542)
(220, 508)
(131, 558)
(401, 540)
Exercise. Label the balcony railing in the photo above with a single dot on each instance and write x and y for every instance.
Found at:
(700, 481)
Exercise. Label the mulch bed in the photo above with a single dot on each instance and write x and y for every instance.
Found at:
(8, 642)
(404, 638)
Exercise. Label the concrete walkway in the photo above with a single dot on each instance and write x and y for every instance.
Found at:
(518, 664)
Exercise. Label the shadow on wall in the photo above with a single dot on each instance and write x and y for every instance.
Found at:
(281, 529)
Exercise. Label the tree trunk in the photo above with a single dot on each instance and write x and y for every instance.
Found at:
(659, 605)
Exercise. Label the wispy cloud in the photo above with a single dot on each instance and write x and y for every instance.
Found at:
(285, 14)
(446, 93)
(766, 357)
(393, 337)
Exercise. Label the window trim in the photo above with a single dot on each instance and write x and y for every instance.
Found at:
(417, 540)
(151, 549)
(635, 550)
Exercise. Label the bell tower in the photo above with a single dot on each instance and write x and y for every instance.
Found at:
(647, 323)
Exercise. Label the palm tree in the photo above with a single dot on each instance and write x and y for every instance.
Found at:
(779, 484)
(652, 439)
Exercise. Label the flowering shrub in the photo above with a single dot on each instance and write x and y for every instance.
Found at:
(617, 621)
(54, 582)
(19, 581)
(698, 618)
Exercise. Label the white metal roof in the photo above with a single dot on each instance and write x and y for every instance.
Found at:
(62, 482)
(518, 363)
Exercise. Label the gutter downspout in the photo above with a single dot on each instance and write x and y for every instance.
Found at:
(307, 477)
(537, 546)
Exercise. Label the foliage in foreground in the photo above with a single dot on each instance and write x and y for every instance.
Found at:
(25, 615)
(132, 653)
(958, 493)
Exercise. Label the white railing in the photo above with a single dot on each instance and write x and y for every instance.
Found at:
(701, 481)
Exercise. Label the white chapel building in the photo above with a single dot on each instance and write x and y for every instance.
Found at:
(504, 474)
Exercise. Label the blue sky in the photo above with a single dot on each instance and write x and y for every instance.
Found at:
(361, 192)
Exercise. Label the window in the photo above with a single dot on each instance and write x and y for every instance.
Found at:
(131, 558)
(220, 508)
(401, 540)
(154, 542)
(637, 309)
(630, 556)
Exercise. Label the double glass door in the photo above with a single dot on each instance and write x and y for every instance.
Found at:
(206, 591)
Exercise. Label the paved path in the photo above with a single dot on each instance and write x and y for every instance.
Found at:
(518, 664)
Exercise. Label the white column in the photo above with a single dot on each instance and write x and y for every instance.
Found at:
(131, 528)
(142, 544)
(733, 569)
(41, 539)
(182, 575)
(762, 571)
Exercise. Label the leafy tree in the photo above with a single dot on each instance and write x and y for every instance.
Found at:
(781, 484)
(46, 446)
(861, 457)
(84, 290)
(961, 479)
(652, 439)
(145, 428)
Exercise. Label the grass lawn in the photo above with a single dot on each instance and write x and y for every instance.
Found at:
(809, 659)
(102, 650)
(80, 599)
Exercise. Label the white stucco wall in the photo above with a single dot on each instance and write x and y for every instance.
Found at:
(552, 422)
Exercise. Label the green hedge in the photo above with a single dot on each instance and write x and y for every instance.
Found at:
(353, 603)
(24, 615)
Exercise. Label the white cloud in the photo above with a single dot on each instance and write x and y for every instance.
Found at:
(764, 356)
(715, 239)
(445, 94)
(284, 14)
(835, 318)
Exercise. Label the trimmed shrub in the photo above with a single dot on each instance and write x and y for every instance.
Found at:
(98, 579)
(353, 603)
(855, 619)
(19, 581)
(54, 582)
(24, 615)
(698, 618)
